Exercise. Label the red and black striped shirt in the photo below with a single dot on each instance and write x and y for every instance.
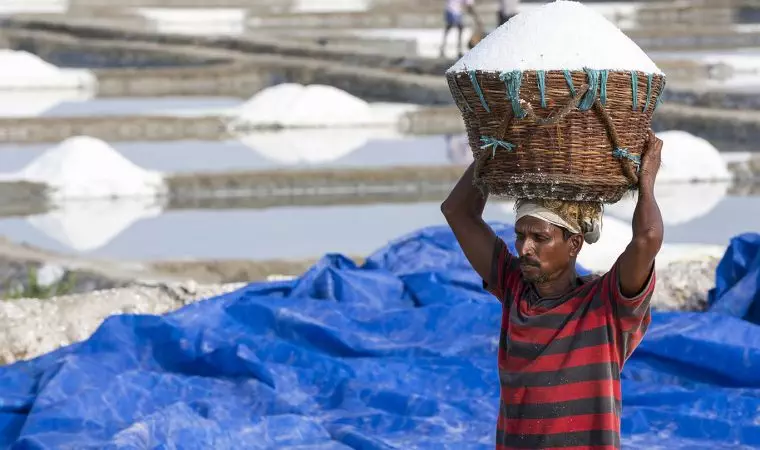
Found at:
(560, 358)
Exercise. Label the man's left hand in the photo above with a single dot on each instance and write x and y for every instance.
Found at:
(650, 163)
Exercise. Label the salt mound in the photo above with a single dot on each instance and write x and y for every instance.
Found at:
(686, 157)
(294, 105)
(85, 167)
(679, 202)
(556, 36)
(24, 70)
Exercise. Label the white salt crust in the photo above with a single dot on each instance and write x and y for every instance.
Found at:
(557, 36)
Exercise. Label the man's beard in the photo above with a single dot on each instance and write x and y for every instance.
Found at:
(539, 276)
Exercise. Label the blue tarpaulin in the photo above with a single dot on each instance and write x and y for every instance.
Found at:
(399, 353)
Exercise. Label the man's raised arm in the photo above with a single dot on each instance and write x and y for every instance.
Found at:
(637, 260)
(463, 210)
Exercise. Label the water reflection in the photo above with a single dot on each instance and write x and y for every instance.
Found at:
(139, 230)
(266, 151)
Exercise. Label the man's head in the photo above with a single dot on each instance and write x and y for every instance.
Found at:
(550, 234)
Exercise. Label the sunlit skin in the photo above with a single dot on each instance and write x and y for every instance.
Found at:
(547, 255)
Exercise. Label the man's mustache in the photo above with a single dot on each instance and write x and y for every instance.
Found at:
(525, 261)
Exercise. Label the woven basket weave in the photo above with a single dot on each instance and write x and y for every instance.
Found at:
(567, 135)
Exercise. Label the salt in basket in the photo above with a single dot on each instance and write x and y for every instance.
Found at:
(557, 104)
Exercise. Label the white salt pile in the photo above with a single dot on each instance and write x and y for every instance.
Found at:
(26, 71)
(693, 179)
(686, 157)
(295, 105)
(85, 167)
(558, 35)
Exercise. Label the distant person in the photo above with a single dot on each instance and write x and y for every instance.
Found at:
(507, 10)
(454, 16)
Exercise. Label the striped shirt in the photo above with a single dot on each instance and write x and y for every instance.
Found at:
(560, 358)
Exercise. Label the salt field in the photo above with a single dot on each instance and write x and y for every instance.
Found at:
(157, 153)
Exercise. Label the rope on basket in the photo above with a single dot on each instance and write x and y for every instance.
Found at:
(541, 81)
(476, 85)
(569, 80)
(626, 158)
(494, 143)
(513, 82)
(649, 91)
(635, 89)
(560, 114)
(659, 95)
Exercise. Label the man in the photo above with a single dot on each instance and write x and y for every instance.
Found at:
(454, 16)
(507, 10)
(564, 339)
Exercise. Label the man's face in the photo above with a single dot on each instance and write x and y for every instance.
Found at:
(544, 252)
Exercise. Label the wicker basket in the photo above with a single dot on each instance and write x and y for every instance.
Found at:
(568, 135)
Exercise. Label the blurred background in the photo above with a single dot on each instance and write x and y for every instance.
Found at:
(237, 140)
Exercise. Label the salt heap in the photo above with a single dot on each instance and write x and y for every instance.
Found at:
(295, 105)
(24, 70)
(559, 35)
(686, 157)
(85, 167)
(693, 179)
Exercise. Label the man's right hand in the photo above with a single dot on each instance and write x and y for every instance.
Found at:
(463, 210)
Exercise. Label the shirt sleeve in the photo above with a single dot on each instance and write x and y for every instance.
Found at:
(632, 315)
(505, 273)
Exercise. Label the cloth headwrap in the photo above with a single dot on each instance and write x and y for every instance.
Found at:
(591, 229)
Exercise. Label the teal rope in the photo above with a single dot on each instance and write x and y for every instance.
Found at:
(475, 84)
(659, 96)
(649, 91)
(593, 82)
(624, 153)
(541, 80)
(493, 144)
(635, 89)
(513, 82)
(603, 88)
(569, 79)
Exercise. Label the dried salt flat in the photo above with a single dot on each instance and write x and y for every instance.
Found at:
(291, 105)
(8, 7)
(26, 71)
(557, 36)
(197, 21)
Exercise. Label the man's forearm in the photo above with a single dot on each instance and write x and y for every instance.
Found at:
(647, 222)
(465, 199)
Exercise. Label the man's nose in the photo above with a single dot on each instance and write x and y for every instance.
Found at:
(528, 249)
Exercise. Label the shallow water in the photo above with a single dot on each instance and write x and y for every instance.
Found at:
(266, 151)
(80, 104)
(140, 230)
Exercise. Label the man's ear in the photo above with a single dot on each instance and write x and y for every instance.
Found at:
(576, 243)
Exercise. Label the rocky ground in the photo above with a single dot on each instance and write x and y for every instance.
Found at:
(36, 326)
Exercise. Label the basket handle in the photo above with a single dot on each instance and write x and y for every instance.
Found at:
(626, 164)
(559, 115)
